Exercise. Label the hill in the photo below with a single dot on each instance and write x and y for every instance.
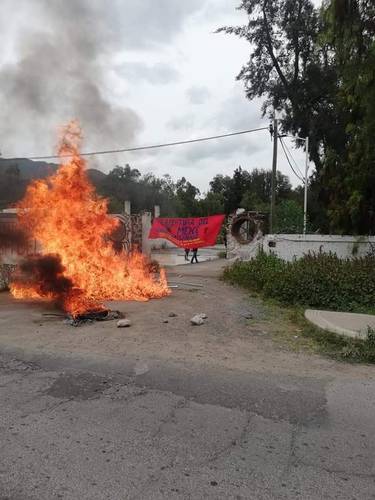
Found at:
(30, 169)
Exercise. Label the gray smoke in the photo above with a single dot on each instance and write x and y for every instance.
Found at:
(56, 69)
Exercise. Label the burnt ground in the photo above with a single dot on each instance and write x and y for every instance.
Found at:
(229, 409)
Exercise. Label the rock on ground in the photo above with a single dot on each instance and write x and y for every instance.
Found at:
(123, 323)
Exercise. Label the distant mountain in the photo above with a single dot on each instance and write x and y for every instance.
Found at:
(30, 169)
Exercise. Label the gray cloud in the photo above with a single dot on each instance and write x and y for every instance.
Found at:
(221, 149)
(156, 74)
(147, 23)
(58, 67)
(58, 75)
(233, 114)
(198, 94)
(238, 113)
(182, 122)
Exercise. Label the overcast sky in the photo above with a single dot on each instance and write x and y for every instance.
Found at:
(134, 73)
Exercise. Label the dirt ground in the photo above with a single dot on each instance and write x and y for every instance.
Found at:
(228, 339)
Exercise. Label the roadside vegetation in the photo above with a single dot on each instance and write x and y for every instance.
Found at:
(320, 281)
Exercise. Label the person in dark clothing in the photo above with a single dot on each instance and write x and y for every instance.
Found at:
(195, 253)
(187, 251)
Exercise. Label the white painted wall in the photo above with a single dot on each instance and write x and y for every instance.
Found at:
(294, 246)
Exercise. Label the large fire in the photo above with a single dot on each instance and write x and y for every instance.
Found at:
(79, 266)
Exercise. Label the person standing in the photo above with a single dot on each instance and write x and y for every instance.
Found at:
(187, 251)
(195, 256)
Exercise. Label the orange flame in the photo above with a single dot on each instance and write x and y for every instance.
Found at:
(66, 216)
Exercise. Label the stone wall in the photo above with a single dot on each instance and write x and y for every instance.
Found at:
(5, 273)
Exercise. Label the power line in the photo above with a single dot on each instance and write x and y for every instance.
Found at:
(292, 158)
(142, 148)
(291, 166)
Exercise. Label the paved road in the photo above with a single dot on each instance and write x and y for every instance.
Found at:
(155, 431)
(169, 411)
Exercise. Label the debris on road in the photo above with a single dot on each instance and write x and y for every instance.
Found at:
(198, 319)
(174, 283)
(89, 317)
(172, 315)
(123, 323)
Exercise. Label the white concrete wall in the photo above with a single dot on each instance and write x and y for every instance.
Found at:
(291, 246)
(294, 246)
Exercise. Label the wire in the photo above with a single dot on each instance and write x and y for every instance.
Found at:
(291, 166)
(294, 161)
(142, 148)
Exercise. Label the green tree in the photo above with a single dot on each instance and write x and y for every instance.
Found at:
(291, 69)
(187, 202)
(350, 174)
(289, 217)
(211, 204)
(250, 190)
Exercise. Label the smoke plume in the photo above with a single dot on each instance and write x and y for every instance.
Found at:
(56, 68)
(46, 274)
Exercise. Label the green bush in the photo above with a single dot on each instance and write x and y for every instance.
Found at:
(316, 280)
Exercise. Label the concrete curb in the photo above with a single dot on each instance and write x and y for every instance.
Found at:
(347, 324)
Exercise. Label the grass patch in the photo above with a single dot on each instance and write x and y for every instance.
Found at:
(321, 281)
(336, 346)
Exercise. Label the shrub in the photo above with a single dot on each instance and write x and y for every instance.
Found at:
(316, 280)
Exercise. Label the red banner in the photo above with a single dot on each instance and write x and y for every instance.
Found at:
(188, 233)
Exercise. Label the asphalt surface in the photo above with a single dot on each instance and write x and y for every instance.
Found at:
(155, 432)
(90, 414)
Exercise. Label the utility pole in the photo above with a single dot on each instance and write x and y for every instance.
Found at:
(273, 177)
(306, 182)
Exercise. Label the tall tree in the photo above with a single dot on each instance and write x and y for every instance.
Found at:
(250, 190)
(292, 66)
(290, 69)
(350, 174)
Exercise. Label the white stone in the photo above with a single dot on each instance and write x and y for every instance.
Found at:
(202, 315)
(197, 320)
(123, 323)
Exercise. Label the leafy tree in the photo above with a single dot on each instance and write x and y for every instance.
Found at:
(186, 194)
(125, 174)
(291, 69)
(250, 190)
(350, 174)
(289, 217)
(211, 204)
